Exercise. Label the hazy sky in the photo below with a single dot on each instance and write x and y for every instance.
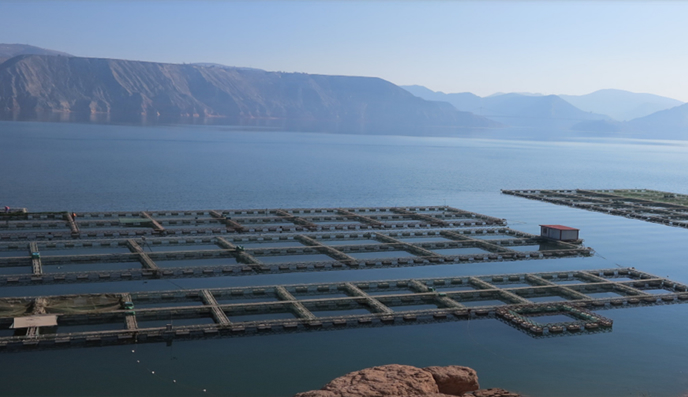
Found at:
(559, 47)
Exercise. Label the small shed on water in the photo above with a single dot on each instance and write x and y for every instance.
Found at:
(42, 320)
(559, 232)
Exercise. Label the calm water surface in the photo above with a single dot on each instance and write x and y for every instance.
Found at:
(78, 167)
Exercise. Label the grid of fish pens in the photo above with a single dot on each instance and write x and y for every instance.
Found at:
(648, 205)
(123, 258)
(520, 300)
(61, 225)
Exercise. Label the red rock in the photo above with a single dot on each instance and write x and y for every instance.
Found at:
(406, 381)
(491, 393)
(454, 380)
(386, 380)
(317, 393)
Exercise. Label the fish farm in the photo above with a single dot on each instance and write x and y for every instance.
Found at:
(89, 247)
(648, 205)
(153, 249)
(542, 304)
(23, 225)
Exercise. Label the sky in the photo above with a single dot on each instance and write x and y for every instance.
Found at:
(548, 47)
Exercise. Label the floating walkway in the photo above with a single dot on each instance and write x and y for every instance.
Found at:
(123, 258)
(541, 304)
(648, 205)
(143, 245)
(63, 225)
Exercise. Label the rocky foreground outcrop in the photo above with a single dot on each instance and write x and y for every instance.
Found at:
(405, 380)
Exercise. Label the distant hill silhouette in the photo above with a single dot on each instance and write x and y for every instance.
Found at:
(521, 110)
(621, 105)
(129, 89)
(219, 65)
(535, 111)
(464, 101)
(670, 123)
(519, 93)
(8, 51)
(665, 124)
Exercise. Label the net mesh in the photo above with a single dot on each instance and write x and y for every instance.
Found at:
(82, 304)
(14, 307)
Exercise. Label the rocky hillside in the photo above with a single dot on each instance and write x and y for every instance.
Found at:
(39, 83)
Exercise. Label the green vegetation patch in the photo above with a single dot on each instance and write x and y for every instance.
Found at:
(654, 195)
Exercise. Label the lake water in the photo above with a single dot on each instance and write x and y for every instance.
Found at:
(82, 167)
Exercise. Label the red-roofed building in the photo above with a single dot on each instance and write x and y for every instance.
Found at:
(559, 232)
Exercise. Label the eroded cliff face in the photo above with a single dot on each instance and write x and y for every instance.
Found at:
(39, 83)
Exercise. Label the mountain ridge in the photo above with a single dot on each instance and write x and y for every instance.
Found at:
(621, 105)
(8, 51)
(515, 109)
(42, 83)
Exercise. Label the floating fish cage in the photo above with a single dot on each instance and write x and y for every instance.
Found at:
(648, 205)
(60, 225)
(381, 238)
(120, 318)
(536, 320)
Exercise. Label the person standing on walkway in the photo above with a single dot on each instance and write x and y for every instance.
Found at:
(7, 209)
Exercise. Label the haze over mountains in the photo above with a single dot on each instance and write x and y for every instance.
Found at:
(601, 112)
(621, 105)
(36, 81)
(666, 124)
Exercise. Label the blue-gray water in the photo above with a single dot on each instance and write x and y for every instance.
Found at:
(79, 167)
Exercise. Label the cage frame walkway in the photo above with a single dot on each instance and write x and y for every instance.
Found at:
(621, 202)
(61, 225)
(248, 259)
(294, 299)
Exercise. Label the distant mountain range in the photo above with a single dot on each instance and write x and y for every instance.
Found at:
(465, 101)
(126, 90)
(521, 110)
(621, 105)
(666, 124)
(602, 112)
(36, 81)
